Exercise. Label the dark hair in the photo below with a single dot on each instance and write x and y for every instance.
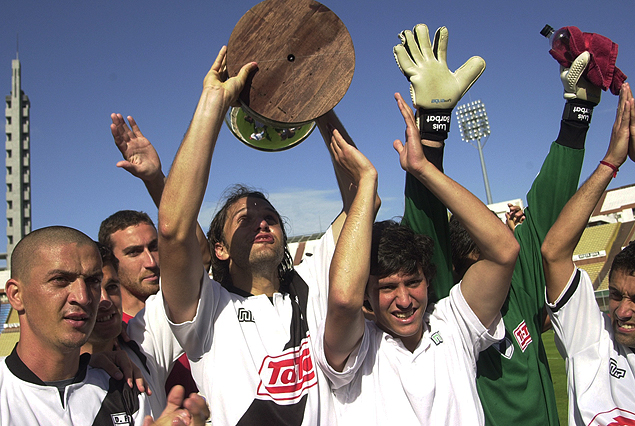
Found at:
(624, 261)
(25, 252)
(216, 234)
(107, 256)
(121, 220)
(397, 249)
(462, 247)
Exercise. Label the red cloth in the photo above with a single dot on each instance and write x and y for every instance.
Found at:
(601, 70)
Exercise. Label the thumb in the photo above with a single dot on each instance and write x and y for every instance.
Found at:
(244, 72)
(469, 72)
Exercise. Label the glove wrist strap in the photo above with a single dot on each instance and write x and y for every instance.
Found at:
(577, 110)
(434, 124)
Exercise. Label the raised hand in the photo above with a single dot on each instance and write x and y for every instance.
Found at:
(350, 159)
(194, 412)
(411, 156)
(216, 78)
(622, 141)
(139, 156)
(433, 85)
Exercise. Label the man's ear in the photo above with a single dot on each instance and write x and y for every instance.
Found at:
(13, 289)
(221, 251)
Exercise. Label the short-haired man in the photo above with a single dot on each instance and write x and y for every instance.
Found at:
(132, 237)
(598, 348)
(54, 286)
(416, 362)
(248, 337)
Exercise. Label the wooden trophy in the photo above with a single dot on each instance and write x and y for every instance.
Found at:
(306, 61)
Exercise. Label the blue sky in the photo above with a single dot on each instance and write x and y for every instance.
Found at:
(82, 61)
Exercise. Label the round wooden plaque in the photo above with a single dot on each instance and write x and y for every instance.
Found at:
(305, 59)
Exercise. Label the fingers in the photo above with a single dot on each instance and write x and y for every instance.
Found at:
(220, 60)
(440, 45)
(469, 72)
(198, 409)
(577, 68)
(134, 126)
(421, 38)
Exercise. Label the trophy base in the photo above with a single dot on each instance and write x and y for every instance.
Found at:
(265, 135)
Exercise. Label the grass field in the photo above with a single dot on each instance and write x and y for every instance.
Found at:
(558, 375)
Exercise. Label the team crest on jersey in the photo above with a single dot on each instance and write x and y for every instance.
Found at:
(521, 333)
(286, 378)
(121, 419)
(614, 417)
(618, 373)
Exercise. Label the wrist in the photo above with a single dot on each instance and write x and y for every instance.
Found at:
(434, 124)
(578, 111)
(611, 165)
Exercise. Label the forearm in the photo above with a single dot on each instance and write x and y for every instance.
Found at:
(180, 251)
(185, 187)
(348, 277)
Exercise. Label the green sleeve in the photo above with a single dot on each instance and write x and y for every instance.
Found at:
(425, 214)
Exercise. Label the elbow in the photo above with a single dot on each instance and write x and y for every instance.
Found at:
(548, 251)
(510, 254)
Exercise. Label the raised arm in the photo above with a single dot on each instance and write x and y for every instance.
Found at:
(181, 262)
(562, 238)
(141, 160)
(350, 266)
(326, 124)
(486, 283)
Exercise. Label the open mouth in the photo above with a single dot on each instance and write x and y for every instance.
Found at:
(105, 318)
(404, 315)
(624, 326)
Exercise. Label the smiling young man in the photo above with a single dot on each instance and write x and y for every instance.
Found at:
(55, 286)
(598, 348)
(416, 362)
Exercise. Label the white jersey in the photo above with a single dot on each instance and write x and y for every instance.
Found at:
(252, 357)
(383, 383)
(600, 371)
(157, 349)
(93, 398)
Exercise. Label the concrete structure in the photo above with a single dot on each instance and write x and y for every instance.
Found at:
(18, 162)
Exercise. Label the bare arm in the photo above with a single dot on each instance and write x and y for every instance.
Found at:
(562, 238)
(181, 270)
(326, 124)
(350, 266)
(486, 283)
(141, 160)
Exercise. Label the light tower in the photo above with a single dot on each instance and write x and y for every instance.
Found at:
(18, 162)
(474, 127)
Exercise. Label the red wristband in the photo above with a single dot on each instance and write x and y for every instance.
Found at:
(613, 167)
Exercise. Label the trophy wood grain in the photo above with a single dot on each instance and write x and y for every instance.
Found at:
(305, 59)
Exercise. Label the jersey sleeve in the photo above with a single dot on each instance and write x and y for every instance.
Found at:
(150, 328)
(577, 320)
(339, 379)
(314, 270)
(196, 335)
(425, 214)
(554, 185)
(474, 335)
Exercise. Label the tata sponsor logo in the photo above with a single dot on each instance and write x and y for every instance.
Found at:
(287, 377)
(614, 417)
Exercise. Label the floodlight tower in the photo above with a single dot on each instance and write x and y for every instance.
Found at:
(474, 127)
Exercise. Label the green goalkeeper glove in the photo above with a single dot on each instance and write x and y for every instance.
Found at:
(434, 89)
